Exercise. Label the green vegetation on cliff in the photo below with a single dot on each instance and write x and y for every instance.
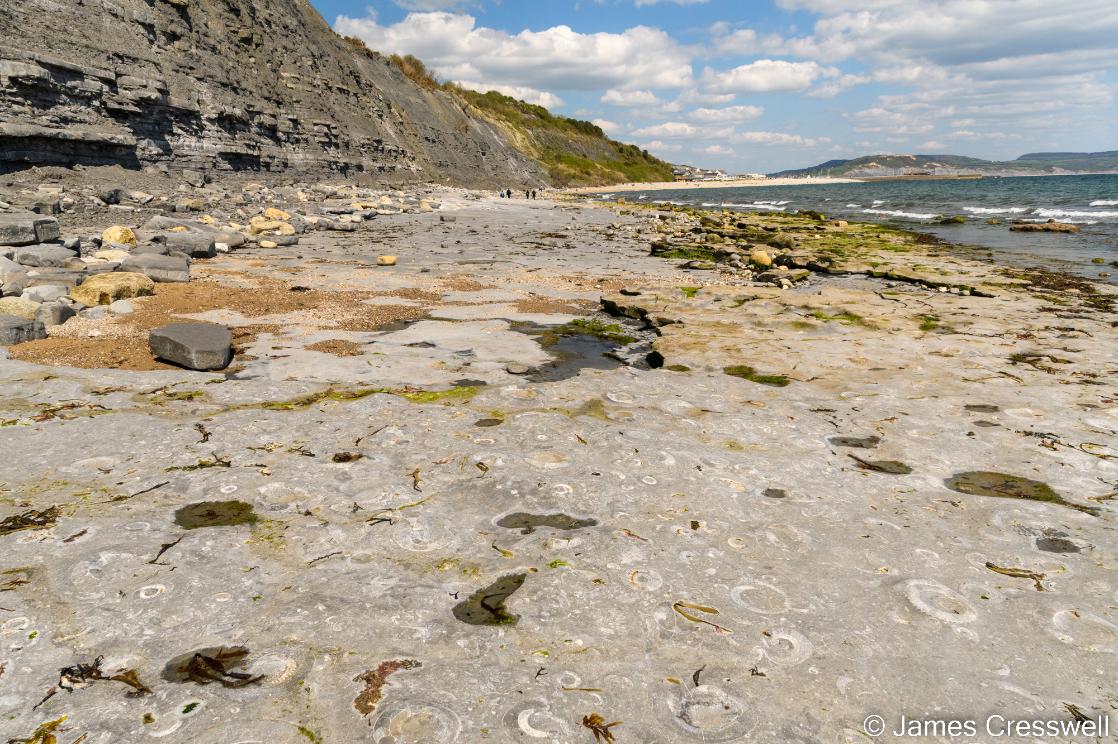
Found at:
(574, 152)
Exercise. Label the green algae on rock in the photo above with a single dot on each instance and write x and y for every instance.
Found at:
(749, 373)
(856, 442)
(1001, 485)
(215, 514)
(487, 606)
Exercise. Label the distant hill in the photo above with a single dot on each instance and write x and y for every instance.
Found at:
(1035, 163)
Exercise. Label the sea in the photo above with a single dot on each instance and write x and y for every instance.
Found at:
(1090, 202)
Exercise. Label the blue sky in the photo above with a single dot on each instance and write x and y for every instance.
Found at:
(761, 85)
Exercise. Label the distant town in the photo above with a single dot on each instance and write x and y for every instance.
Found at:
(691, 173)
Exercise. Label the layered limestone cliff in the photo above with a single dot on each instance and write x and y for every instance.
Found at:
(226, 85)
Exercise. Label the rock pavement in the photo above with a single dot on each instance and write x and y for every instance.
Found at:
(421, 506)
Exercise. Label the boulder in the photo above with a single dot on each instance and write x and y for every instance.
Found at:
(200, 346)
(18, 307)
(25, 228)
(37, 277)
(14, 330)
(194, 178)
(195, 244)
(44, 254)
(1050, 226)
(272, 213)
(120, 235)
(760, 258)
(159, 268)
(386, 260)
(54, 313)
(268, 244)
(46, 292)
(112, 254)
(103, 289)
(190, 205)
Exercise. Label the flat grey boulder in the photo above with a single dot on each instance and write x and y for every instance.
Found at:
(200, 346)
(25, 228)
(158, 268)
(193, 244)
(45, 254)
(46, 292)
(15, 330)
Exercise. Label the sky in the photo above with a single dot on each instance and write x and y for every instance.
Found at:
(763, 85)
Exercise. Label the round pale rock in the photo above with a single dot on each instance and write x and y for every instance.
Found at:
(386, 260)
(104, 289)
(200, 346)
(120, 235)
(268, 244)
(276, 214)
(760, 258)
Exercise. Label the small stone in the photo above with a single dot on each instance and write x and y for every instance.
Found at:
(194, 178)
(276, 214)
(447, 218)
(95, 313)
(268, 244)
(16, 330)
(517, 369)
(200, 346)
(221, 247)
(112, 254)
(386, 260)
(122, 307)
(120, 235)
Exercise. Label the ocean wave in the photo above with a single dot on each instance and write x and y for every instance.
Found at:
(853, 206)
(1104, 203)
(898, 213)
(1062, 213)
(1069, 221)
(755, 205)
(996, 210)
(878, 201)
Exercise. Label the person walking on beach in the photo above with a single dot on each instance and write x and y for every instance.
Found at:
(533, 193)
(509, 194)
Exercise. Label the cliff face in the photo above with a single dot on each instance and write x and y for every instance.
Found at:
(226, 85)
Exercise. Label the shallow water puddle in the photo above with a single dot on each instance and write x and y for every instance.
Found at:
(574, 347)
(1001, 485)
(527, 523)
(856, 442)
(889, 467)
(487, 606)
(208, 665)
(214, 514)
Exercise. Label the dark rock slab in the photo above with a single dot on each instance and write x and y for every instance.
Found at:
(45, 254)
(200, 346)
(14, 330)
(25, 228)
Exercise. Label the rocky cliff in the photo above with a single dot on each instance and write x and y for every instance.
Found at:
(227, 85)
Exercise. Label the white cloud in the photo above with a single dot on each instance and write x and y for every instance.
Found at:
(718, 150)
(523, 92)
(766, 76)
(642, 3)
(773, 138)
(555, 59)
(630, 98)
(668, 130)
(656, 147)
(607, 126)
(728, 114)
